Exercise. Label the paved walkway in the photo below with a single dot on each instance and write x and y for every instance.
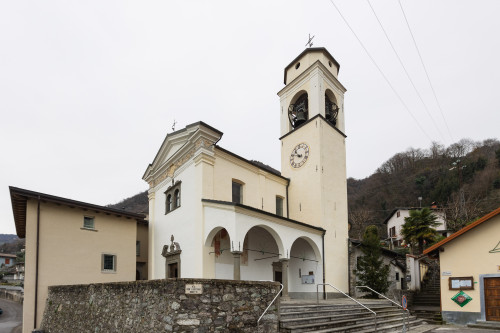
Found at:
(12, 317)
(447, 329)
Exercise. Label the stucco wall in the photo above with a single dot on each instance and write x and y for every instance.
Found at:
(162, 306)
(469, 255)
(69, 255)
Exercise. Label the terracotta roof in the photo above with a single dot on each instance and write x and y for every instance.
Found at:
(463, 230)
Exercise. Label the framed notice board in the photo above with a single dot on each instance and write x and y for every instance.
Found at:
(461, 283)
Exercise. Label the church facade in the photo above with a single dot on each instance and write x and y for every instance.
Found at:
(214, 214)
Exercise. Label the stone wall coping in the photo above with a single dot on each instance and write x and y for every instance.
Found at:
(161, 282)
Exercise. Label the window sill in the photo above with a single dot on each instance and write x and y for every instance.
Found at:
(108, 272)
(172, 210)
(88, 229)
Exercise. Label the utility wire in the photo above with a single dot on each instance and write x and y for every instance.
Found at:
(406, 72)
(380, 70)
(426, 73)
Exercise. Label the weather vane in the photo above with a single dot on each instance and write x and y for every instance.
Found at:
(173, 126)
(309, 42)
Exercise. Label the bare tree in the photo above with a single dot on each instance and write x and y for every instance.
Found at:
(461, 210)
(359, 219)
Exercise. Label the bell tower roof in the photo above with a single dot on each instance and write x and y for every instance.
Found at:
(307, 58)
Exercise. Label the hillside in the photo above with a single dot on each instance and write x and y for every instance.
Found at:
(435, 174)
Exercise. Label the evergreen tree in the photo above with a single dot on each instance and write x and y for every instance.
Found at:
(370, 268)
(419, 228)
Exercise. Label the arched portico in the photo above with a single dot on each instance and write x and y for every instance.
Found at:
(305, 268)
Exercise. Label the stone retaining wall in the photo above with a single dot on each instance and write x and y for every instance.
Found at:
(15, 294)
(161, 306)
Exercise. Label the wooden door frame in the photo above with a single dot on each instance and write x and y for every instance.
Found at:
(481, 291)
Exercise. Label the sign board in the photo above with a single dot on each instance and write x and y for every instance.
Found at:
(461, 283)
(446, 273)
(404, 302)
(194, 289)
(307, 279)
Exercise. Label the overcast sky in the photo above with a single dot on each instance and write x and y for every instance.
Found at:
(89, 89)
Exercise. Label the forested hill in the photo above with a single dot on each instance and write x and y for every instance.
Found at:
(435, 174)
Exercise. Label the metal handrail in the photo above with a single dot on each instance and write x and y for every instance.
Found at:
(263, 313)
(407, 311)
(352, 299)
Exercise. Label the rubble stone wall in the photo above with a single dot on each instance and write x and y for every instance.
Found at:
(162, 306)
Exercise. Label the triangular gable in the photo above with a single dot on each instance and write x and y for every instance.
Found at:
(179, 143)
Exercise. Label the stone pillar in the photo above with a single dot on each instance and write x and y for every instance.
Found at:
(236, 265)
(284, 278)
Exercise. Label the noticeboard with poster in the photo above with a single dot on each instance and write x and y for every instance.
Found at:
(461, 283)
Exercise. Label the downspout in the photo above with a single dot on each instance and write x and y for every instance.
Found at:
(349, 264)
(287, 211)
(36, 262)
(323, 249)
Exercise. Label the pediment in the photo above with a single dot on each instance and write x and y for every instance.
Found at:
(178, 147)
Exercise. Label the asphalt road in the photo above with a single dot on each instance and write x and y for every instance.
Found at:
(12, 318)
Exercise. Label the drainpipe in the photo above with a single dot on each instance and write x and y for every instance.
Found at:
(323, 249)
(36, 262)
(287, 211)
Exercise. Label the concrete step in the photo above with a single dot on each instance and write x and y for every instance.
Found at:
(490, 325)
(318, 307)
(326, 317)
(332, 312)
(369, 327)
(344, 325)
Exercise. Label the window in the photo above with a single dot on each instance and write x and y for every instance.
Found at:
(392, 232)
(169, 203)
(108, 263)
(279, 206)
(177, 198)
(173, 197)
(237, 192)
(397, 276)
(88, 222)
(7, 261)
(137, 248)
(398, 214)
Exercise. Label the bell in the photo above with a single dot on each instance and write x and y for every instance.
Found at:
(301, 118)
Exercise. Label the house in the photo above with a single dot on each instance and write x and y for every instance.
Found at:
(215, 214)
(397, 270)
(7, 260)
(470, 271)
(396, 219)
(71, 242)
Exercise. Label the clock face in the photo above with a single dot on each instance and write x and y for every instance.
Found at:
(299, 155)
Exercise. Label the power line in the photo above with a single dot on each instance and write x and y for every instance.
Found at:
(380, 70)
(404, 68)
(425, 70)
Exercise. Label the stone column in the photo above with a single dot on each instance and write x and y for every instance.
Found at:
(236, 265)
(284, 277)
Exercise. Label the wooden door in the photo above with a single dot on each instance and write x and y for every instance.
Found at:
(492, 298)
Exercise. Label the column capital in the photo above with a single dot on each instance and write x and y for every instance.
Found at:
(237, 253)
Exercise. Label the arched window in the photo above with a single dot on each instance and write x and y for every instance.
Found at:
(177, 198)
(173, 194)
(298, 111)
(331, 108)
(169, 203)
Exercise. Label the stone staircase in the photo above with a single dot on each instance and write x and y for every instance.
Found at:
(324, 317)
(427, 303)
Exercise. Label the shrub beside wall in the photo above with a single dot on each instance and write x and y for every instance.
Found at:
(161, 306)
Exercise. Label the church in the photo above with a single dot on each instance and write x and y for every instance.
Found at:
(216, 215)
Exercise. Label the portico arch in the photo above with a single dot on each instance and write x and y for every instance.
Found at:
(305, 268)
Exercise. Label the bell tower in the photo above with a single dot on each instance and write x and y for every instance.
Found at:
(313, 153)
